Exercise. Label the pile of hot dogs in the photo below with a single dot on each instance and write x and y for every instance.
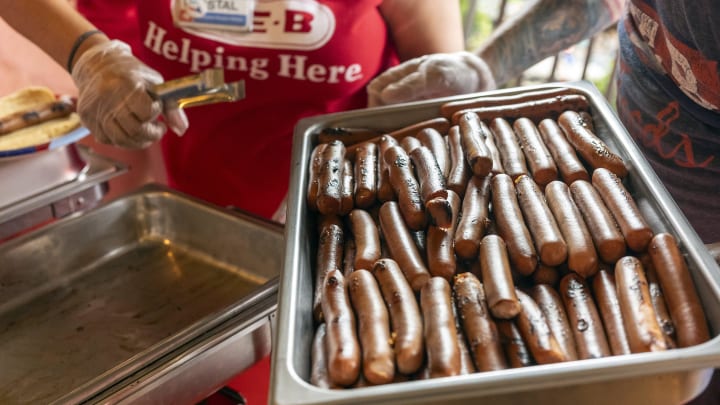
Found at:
(498, 235)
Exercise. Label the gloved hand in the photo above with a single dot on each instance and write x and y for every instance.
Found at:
(113, 99)
(431, 76)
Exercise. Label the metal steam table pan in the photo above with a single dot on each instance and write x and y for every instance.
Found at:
(669, 377)
(154, 296)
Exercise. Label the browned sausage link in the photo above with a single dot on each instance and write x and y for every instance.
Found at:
(548, 239)
(545, 275)
(582, 257)
(367, 239)
(537, 157)
(440, 124)
(406, 187)
(366, 175)
(516, 351)
(348, 256)
(477, 323)
(535, 109)
(440, 252)
(373, 322)
(318, 360)
(347, 198)
(473, 143)
(659, 303)
(429, 175)
(441, 344)
(385, 191)
(591, 148)
(622, 205)
(497, 166)
(448, 109)
(606, 296)
(474, 219)
(564, 155)
(330, 182)
(536, 332)
(343, 348)
(401, 246)
(348, 136)
(314, 176)
(329, 257)
(590, 340)
(459, 173)
(682, 298)
(498, 282)
(550, 303)
(511, 156)
(606, 235)
(467, 366)
(434, 140)
(511, 226)
(404, 311)
(641, 325)
(36, 115)
(409, 143)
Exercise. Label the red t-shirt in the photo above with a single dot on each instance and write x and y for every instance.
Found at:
(302, 59)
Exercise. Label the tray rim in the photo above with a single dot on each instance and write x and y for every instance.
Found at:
(288, 387)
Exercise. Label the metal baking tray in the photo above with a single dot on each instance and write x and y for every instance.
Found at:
(670, 377)
(122, 300)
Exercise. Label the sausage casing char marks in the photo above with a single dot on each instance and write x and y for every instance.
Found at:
(406, 187)
(641, 325)
(443, 353)
(347, 190)
(658, 300)
(622, 205)
(546, 235)
(680, 293)
(569, 165)
(366, 175)
(498, 283)
(373, 327)
(537, 157)
(472, 137)
(516, 351)
(401, 245)
(477, 323)
(385, 191)
(434, 140)
(433, 191)
(582, 257)
(441, 259)
(550, 303)
(407, 326)
(343, 348)
(330, 178)
(328, 258)
(606, 234)
(474, 219)
(537, 334)
(584, 318)
(591, 148)
(314, 176)
(603, 285)
(511, 226)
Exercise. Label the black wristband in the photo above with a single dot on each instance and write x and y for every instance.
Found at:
(85, 35)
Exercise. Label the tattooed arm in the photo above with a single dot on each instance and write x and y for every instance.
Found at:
(545, 28)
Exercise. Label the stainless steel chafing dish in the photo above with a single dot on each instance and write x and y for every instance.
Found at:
(670, 377)
(154, 297)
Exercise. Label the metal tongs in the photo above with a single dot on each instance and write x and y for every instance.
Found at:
(206, 87)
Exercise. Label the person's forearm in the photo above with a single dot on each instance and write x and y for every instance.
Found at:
(53, 25)
(422, 27)
(544, 29)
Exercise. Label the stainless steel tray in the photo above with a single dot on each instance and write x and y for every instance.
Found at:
(125, 296)
(670, 377)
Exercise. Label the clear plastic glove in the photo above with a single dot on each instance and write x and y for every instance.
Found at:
(431, 76)
(113, 99)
